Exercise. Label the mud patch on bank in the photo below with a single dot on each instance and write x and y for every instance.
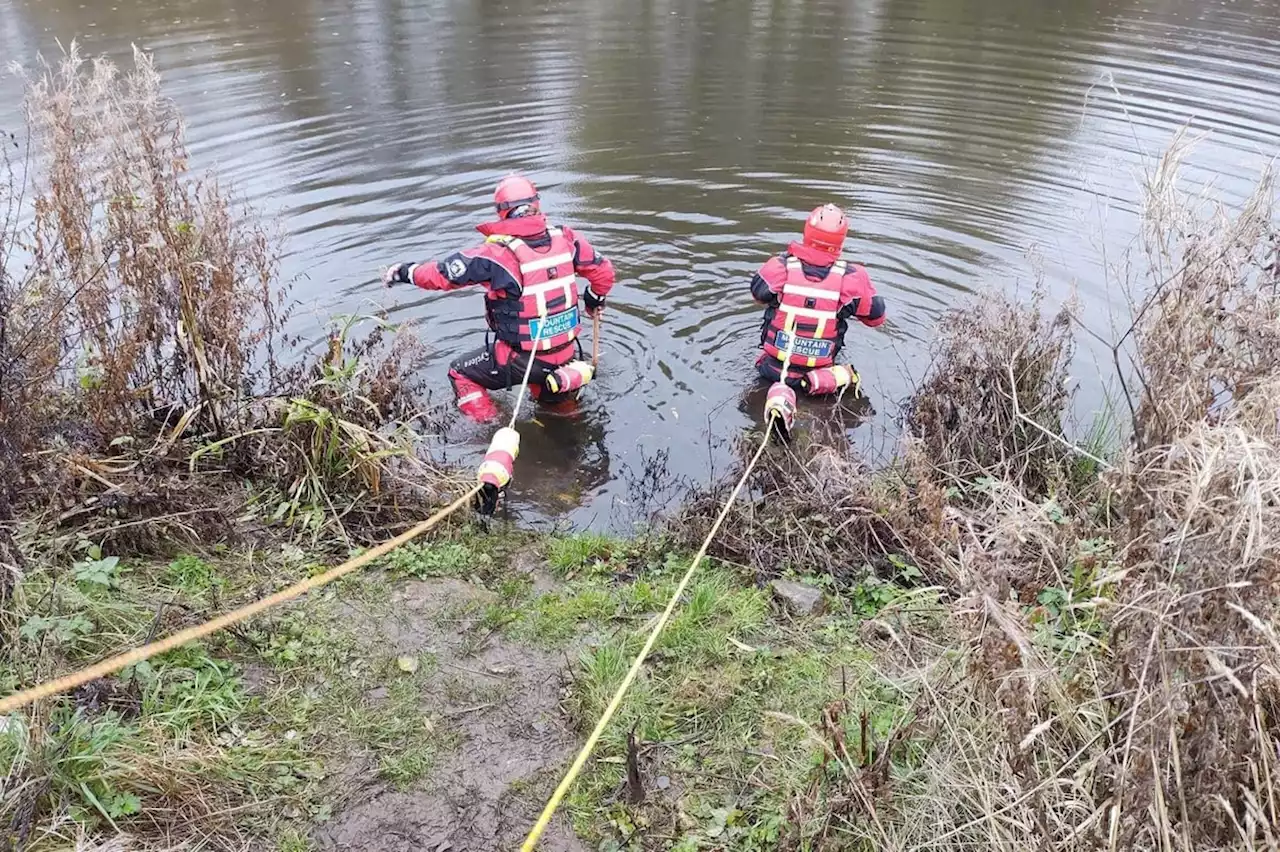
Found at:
(498, 699)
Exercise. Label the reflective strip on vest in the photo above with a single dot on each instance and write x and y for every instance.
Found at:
(795, 274)
(807, 292)
(563, 283)
(546, 262)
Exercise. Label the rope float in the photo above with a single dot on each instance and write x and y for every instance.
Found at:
(780, 402)
(499, 465)
(780, 409)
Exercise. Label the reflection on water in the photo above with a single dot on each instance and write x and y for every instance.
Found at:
(686, 139)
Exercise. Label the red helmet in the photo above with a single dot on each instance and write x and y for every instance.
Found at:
(825, 229)
(516, 196)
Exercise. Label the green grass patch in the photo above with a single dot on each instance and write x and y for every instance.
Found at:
(447, 559)
(733, 690)
(584, 553)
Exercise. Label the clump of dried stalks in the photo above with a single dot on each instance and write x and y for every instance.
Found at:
(1207, 334)
(142, 339)
(816, 510)
(161, 288)
(1110, 674)
(145, 376)
(994, 399)
(1196, 685)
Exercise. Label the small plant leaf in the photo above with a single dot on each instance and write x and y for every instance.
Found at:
(408, 665)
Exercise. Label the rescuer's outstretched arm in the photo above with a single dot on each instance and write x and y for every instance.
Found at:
(461, 269)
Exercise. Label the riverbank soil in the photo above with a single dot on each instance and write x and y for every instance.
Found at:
(429, 703)
(497, 701)
(386, 712)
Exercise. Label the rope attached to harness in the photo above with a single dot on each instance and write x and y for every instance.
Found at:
(610, 711)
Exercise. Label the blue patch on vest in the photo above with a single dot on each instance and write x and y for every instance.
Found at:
(557, 324)
(806, 347)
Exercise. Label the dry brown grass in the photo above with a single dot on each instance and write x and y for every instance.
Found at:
(165, 286)
(1158, 730)
(1207, 334)
(816, 510)
(143, 352)
(999, 369)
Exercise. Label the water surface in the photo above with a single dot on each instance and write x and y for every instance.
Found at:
(975, 143)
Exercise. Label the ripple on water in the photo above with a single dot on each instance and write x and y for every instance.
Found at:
(687, 140)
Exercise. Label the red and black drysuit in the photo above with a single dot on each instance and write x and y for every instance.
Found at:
(815, 294)
(528, 270)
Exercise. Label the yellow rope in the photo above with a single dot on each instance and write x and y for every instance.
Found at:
(528, 370)
(580, 761)
(146, 652)
(789, 325)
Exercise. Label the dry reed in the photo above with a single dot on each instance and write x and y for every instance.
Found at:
(143, 349)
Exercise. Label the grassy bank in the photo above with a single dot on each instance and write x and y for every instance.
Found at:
(167, 449)
(231, 742)
(287, 733)
(1018, 635)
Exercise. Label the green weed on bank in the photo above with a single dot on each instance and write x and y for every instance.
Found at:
(728, 713)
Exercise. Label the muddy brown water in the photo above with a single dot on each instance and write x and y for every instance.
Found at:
(975, 142)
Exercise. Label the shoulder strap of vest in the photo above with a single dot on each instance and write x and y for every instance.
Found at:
(513, 244)
(837, 269)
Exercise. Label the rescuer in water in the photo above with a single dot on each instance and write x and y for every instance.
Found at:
(529, 270)
(809, 292)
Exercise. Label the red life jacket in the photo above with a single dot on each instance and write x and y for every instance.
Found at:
(545, 317)
(811, 310)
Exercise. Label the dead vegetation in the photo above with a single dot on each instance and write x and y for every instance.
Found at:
(1108, 676)
(994, 399)
(144, 346)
